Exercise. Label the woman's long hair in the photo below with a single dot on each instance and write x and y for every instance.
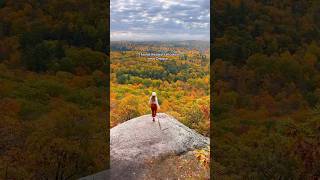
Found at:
(153, 98)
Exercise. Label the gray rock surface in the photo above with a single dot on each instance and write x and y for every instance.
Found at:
(139, 139)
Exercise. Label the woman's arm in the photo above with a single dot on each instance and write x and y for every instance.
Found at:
(157, 103)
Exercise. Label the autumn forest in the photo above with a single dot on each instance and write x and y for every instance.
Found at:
(181, 81)
(266, 89)
(52, 89)
(263, 63)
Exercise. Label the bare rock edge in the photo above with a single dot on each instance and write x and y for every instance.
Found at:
(140, 139)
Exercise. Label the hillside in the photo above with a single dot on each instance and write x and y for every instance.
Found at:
(137, 141)
(181, 83)
(266, 76)
(53, 74)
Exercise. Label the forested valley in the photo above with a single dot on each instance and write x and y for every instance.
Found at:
(266, 91)
(53, 59)
(182, 82)
(180, 77)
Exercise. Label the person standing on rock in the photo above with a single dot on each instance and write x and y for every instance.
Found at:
(154, 104)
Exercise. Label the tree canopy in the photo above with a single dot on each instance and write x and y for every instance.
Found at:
(266, 70)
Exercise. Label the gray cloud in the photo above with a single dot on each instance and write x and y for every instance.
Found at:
(160, 19)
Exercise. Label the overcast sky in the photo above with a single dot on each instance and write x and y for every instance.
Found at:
(143, 20)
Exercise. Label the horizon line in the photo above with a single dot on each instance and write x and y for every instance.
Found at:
(158, 40)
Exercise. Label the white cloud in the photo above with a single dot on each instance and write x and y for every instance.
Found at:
(160, 19)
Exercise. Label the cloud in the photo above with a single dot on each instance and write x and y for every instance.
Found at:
(160, 20)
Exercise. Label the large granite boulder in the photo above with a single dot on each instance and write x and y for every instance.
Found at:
(134, 142)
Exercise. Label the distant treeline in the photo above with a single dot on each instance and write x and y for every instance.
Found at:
(131, 45)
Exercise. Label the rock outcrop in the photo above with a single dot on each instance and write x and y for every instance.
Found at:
(140, 139)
